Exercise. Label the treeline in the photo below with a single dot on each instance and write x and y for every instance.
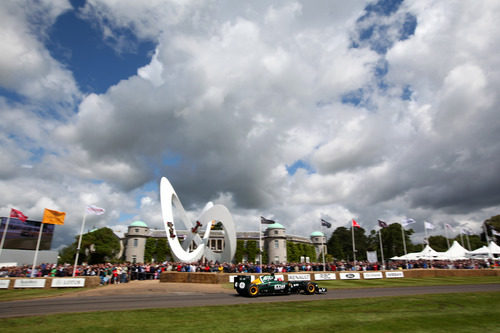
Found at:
(340, 242)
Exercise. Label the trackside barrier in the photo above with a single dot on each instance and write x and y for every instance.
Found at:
(49, 282)
(324, 276)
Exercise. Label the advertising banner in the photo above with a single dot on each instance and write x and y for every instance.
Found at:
(299, 277)
(324, 276)
(372, 275)
(371, 256)
(67, 282)
(4, 284)
(350, 276)
(394, 275)
(29, 283)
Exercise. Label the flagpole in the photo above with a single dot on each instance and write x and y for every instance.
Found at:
(260, 246)
(426, 238)
(381, 248)
(79, 243)
(37, 247)
(485, 234)
(404, 244)
(353, 246)
(468, 242)
(323, 247)
(446, 233)
(4, 234)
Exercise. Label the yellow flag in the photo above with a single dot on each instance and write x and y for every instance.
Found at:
(53, 216)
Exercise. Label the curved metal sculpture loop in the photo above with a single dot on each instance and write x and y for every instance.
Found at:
(211, 214)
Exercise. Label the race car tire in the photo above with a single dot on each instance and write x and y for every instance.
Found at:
(310, 288)
(253, 291)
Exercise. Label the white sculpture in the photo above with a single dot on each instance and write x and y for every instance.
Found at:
(211, 214)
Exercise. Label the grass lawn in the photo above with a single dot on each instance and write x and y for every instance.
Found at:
(468, 312)
(410, 282)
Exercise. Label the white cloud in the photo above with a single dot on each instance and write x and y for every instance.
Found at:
(26, 66)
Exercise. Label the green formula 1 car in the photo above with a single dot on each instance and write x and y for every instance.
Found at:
(269, 285)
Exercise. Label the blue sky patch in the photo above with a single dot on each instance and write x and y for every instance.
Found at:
(95, 64)
(300, 164)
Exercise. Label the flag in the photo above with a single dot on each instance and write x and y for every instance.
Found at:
(465, 231)
(382, 224)
(355, 224)
(428, 225)
(263, 220)
(407, 222)
(53, 216)
(448, 226)
(95, 210)
(326, 223)
(17, 214)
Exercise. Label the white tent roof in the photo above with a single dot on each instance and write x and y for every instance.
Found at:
(481, 250)
(494, 248)
(456, 252)
(427, 253)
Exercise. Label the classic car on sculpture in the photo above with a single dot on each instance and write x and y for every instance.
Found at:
(269, 285)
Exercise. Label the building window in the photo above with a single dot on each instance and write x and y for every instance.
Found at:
(136, 242)
(136, 230)
(276, 243)
(276, 259)
(134, 259)
(276, 232)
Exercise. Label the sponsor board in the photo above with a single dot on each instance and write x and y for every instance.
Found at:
(390, 275)
(231, 278)
(324, 276)
(299, 277)
(350, 276)
(372, 275)
(279, 277)
(68, 282)
(29, 283)
(4, 284)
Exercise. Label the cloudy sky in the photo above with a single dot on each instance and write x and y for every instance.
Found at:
(293, 110)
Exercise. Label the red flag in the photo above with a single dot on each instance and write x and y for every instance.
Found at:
(17, 214)
(355, 224)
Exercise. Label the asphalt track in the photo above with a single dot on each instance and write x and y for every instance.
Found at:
(71, 304)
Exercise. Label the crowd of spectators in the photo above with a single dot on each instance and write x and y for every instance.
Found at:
(123, 272)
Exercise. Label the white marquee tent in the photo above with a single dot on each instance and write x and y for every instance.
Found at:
(428, 253)
(456, 252)
(486, 251)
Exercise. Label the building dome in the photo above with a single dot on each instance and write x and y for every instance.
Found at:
(139, 224)
(276, 226)
(317, 234)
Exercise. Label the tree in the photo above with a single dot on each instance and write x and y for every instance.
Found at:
(292, 252)
(474, 241)
(340, 243)
(162, 250)
(251, 250)
(438, 243)
(240, 250)
(150, 249)
(98, 246)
